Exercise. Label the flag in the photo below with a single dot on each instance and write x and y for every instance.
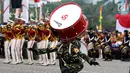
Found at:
(123, 22)
(100, 19)
(100, 9)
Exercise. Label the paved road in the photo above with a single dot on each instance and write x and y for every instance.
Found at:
(114, 66)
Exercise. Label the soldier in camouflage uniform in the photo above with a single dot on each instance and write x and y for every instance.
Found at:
(70, 57)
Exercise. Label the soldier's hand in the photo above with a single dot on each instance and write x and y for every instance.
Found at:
(76, 50)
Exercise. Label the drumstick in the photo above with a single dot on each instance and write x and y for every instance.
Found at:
(58, 23)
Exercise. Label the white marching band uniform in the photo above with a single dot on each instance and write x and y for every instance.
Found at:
(53, 45)
(7, 45)
(30, 44)
(21, 47)
(18, 49)
(29, 52)
(14, 52)
(45, 44)
(41, 56)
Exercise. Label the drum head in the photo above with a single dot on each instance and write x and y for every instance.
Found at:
(65, 16)
(83, 48)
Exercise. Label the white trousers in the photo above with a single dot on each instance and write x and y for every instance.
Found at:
(29, 52)
(53, 45)
(100, 53)
(52, 57)
(21, 48)
(43, 58)
(18, 47)
(14, 51)
(7, 45)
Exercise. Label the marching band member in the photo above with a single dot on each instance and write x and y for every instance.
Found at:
(18, 43)
(97, 47)
(125, 50)
(53, 43)
(91, 49)
(40, 41)
(31, 40)
(107, 49)
(15, 43)
(120, 37)
(101, 40)
(8, 36)
(22, 40)
(91, 38)
(113, 39)
(19, 39)
(126, 38)
(46, 42)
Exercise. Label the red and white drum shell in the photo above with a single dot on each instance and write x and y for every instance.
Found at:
(68, 21)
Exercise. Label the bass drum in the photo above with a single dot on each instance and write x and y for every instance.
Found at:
(68, 21)
(83, 49)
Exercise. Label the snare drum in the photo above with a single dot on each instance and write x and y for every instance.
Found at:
(68, 21)
(118, 43)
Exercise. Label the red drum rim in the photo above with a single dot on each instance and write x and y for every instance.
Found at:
(62, 6)
(76, 35)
